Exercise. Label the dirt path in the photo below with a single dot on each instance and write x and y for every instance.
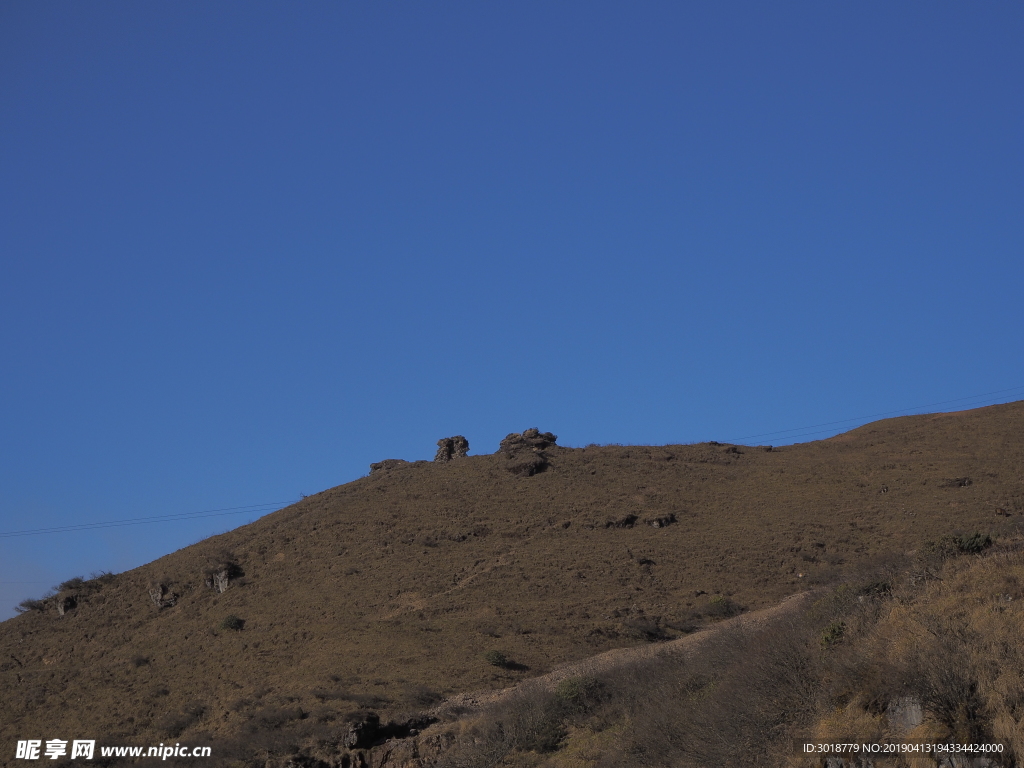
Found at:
(618, 657)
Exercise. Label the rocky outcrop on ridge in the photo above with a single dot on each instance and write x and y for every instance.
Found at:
(524, 452)
(449, 448)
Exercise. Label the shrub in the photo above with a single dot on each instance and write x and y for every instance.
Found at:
(832, 634)
(232, 622)
(721, 606)
(950, 545)
(578, 694)
(974, 543)
(496, 659)
(876, 588)
(75, 583)
(529, 721)
(30, 605)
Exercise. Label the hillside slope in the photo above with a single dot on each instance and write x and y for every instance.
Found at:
(388, 591)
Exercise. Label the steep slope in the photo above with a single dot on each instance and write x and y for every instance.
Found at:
(388, 591)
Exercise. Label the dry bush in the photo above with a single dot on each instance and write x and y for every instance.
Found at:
(733, 703)
(30, 605)
(952, 646)
(528, 721)
(579, 695)
(232, 622)
(737, 700)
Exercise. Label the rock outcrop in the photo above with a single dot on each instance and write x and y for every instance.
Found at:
(531, 439)
(449, 448)
(524, 453)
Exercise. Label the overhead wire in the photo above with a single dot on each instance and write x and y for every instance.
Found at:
(267, 506)
(270, 506)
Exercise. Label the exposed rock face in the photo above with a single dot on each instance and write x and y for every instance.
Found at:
(524, 452)
(373, 744)
(161, 596)
(363, 733)
(66, 603)
(449, 448)
(904, 714)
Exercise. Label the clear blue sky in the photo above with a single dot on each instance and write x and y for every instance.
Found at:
(249, 248)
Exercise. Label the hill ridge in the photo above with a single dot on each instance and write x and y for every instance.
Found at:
(390, 590)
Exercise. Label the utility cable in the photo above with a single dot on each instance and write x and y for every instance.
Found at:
(266, 507)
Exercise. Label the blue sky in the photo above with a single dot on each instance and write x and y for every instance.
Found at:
(249, 248)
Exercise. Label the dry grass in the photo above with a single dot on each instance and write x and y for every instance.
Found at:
(951, 645)
(400, 583)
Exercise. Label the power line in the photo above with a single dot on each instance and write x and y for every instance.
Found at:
(873, 416)
(270, 506)
(266, 507)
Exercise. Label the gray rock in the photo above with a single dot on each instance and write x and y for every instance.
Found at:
(449, 448)
(532, 439)
(904, 714)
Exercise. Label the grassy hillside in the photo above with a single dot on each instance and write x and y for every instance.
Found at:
(390, 591)
(928, 654)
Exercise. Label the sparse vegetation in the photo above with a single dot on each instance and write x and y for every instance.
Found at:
(833, 634)
(30, 605)
(173, 724)
(721, 607)
(579, 694)
(233, 623)
(496, 659)
(341, 585)
(742, 697)
(221, 567)
(952, 545)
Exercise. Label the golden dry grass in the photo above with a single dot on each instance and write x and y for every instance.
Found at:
(389, 590)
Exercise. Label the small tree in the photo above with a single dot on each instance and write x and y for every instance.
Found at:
(30, 605)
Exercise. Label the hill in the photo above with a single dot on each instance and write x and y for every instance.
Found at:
(428, 579)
